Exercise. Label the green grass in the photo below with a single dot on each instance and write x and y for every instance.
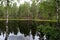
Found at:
(31, 20)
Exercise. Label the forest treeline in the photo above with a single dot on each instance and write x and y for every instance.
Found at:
(45, 11)
(36, 10)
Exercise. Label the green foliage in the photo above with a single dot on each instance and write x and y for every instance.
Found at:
(13, 27)
(2, 10)
(24, 11)
(59, 8)
(44, 10)
(13, 11)
(34, 10)
(47, 10)
(50, 31)
(2, 27)
(24, 27)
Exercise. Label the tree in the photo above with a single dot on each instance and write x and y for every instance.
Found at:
(57, 12)
(37, 10)
(24, 11)
(47, 10)
(7, 13)
(51, 32)
(34, 9)
(13, 11)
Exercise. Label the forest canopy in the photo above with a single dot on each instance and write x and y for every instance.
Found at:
(44, 10)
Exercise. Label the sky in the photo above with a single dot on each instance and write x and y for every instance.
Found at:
(22, 2)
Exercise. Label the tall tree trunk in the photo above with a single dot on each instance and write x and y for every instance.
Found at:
(6, 27)
(7, 21)
(57, 11)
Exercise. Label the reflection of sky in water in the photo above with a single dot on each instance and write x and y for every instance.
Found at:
(19, 36)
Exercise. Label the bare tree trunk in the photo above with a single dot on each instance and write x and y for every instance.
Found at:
(7, 21)
(57, 11)
(6, 27)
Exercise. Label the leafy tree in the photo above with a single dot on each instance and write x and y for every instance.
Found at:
(51, 31)
(2, 10)
(47, 10)
(34, 9)
(24, 11)
(37, 10)
(13, 11)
